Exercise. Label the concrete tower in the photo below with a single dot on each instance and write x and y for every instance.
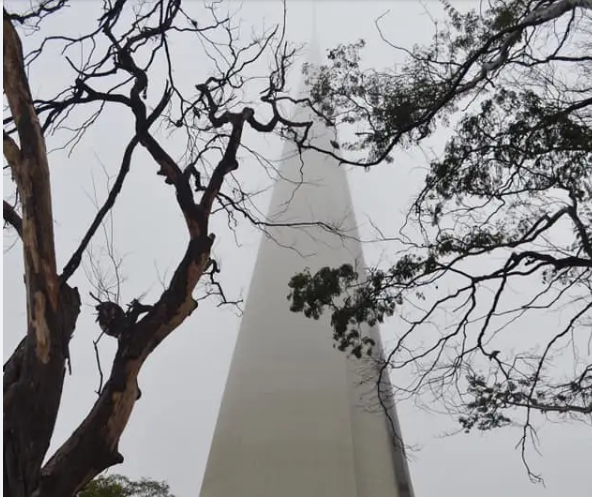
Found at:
(299, 418)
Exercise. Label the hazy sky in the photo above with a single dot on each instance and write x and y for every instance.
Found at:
(170, 431)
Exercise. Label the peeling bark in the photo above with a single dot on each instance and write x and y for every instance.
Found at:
(32, 394)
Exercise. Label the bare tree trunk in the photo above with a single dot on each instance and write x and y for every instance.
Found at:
(33, 387)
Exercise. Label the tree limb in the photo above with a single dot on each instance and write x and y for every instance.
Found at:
(76, 257)
(12, 218)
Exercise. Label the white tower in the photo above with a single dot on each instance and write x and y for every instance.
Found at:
(299, 418)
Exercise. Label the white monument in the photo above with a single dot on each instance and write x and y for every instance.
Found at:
(299, 418)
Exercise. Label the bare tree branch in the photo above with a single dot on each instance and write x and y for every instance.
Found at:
(12, 218)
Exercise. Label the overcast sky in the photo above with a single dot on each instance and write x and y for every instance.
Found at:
(170, 431)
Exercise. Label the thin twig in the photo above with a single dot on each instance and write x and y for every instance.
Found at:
(101, 377)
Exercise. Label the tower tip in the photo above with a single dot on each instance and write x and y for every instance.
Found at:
(314, 48)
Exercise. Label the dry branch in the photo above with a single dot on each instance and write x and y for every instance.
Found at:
(12, 218)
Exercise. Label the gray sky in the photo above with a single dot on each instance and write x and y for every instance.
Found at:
(170, 430)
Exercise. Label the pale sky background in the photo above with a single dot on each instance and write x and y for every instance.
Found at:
(170, 431)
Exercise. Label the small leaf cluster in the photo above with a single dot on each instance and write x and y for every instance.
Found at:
(351, 304)
(491, 402)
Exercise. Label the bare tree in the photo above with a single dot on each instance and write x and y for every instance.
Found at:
(501, 230)
(117, 69)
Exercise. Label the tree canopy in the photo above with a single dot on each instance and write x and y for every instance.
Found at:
(121, 486)
(500, 232)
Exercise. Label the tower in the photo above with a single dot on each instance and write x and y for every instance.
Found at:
(299, 418)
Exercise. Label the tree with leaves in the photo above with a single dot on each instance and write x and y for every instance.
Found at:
(121, 486)
(500, 232)
(126, 63)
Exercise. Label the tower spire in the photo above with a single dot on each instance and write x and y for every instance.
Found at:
(314, 47)
(299, 417)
